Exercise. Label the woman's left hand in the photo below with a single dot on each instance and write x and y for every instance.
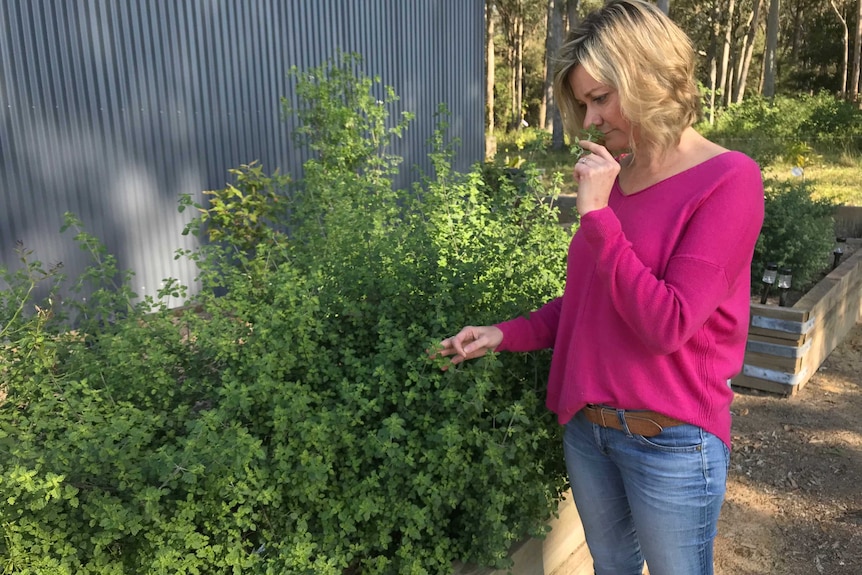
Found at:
(595, 174)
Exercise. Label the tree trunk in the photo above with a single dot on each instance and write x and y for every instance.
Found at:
(770, 56)
(513, 86)
(712, 58)
(846, 49)
(546, 67)
(747, 51)
(712, 80)
(519, 73)
(512, 20)
(857, 55)
(552, 122)
(664, 6)
(726, 77)
(796, 40)
(572, 18)
(490, 140)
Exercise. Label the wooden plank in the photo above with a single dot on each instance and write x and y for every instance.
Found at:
(782, 325)
(822, 296)
(841, 315)
(783, 377)
(847, 288)
(817, 294)
(778, 312)
(838, 322)
(565, 548)
(528, 559)
(780, 350)
(580, 562)
(766, 336)
(790, 365)
(763, 385)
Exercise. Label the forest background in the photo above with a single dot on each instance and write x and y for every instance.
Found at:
(746, 48)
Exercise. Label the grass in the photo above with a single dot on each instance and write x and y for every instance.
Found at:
(837, 176)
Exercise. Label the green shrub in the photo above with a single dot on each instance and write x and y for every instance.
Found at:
(754, 127)
(246, 214)
(296, 423)
(798, 232)
(767, 131)
(832, 124)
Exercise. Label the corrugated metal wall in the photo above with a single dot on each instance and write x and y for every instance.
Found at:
(113, 108)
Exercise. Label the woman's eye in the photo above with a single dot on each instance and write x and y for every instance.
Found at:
(600, 99)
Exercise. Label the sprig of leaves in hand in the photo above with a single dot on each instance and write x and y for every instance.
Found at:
(591, 134)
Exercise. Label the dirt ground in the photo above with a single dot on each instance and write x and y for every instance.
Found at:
(794, 498)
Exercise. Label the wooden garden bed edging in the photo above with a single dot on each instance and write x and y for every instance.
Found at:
(787, 345)
(563, 551)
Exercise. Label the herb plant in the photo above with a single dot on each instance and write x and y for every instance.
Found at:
(296, 422)
(591, 134)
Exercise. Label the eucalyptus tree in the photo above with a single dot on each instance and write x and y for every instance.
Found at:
(857, 55)
(771, 54)
(490, 64)
(549, 116)
(846, 53)
(814, 47)
(725, 78)
(712, 57)
(517, 16)
(746, 51)
(573, 8)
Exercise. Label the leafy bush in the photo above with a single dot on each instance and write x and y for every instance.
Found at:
(769, 131)
(754, 127)
(797, 233)
(246, 214)
(295, 424)
(832, 124)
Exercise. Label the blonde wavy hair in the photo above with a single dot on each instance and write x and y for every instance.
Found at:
(635, 48)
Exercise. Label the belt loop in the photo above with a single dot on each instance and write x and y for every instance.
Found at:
(621, 415)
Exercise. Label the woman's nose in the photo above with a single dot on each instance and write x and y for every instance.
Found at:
(591, 119)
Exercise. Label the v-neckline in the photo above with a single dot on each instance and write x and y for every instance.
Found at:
(623, 193)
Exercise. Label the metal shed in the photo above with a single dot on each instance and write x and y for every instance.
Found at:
(112, 109)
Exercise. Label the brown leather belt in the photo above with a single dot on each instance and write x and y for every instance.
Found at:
(639, 422)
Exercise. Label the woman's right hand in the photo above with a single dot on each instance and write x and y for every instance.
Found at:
(471, 342)
(595, 175)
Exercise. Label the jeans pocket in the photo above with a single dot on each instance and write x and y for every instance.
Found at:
(677, 439)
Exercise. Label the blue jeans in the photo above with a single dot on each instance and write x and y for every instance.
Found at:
(647, 498)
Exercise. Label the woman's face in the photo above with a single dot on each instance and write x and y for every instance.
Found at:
(600, 104)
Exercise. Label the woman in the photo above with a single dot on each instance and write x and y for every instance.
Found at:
(653, 320)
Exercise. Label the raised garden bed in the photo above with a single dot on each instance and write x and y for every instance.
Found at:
(786, 345)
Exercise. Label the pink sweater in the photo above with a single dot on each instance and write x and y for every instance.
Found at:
(656, 306)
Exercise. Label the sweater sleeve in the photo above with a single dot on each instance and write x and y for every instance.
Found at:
(538, 330)
(712, 255)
